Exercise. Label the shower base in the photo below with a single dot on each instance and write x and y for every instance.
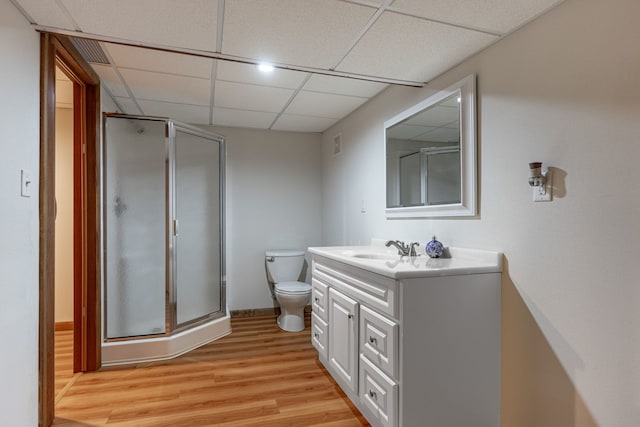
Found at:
(165, 347)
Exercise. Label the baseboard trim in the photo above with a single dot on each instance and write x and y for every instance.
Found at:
(255, 312)
(64, 326)
(258, 312)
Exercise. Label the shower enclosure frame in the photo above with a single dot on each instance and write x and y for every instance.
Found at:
(171, 227)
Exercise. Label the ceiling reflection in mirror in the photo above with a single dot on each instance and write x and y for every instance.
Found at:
(425, 149)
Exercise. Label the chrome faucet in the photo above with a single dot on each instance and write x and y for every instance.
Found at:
(404, 249)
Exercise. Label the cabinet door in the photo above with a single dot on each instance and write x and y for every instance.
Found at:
(343, 338)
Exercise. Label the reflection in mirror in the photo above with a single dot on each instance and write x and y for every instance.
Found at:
(430, 156)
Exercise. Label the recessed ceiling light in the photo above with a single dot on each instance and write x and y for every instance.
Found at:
(265, 68)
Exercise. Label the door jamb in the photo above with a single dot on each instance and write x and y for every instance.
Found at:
(87, 297)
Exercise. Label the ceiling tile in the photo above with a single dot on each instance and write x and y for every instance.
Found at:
(173, 23)
(325, 105)
(403, 131)
(494, 15)
(440, 135)
(436, 116)
(167, 87)
(246, 73)
(242, 119)
(110, 79)
(250, 97)
(46, 12)
(128, 106)
(424, 133)
(311, 33)
(343, 86)
(438, 46)
(297, 123)
(194, 114)
(155, 60)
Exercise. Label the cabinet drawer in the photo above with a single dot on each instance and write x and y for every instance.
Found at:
(320, 299)
(372, 289)
(378, 393)
(379, 340)
(319, 337)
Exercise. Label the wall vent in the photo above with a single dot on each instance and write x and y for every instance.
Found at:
(90, 50)
(337, 145)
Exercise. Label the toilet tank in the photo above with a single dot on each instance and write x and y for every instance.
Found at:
(284, 265)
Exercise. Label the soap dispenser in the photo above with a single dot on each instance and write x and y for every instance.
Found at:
(434, 248)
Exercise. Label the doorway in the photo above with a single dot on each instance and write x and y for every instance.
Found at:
(64, 233)
(59, 52)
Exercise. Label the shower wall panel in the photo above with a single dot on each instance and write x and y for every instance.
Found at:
(197, 207)
(135, 227)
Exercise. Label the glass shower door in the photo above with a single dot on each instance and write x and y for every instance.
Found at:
(198, 281)
(135, 187)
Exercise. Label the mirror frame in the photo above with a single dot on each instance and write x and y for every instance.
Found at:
(468, 157)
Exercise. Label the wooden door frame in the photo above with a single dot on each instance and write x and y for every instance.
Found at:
(56, 49)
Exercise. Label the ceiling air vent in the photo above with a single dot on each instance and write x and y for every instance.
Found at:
(90, 51)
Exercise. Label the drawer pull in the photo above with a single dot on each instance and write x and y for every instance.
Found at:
(373, 394)
(350, 316)
(316, 335)
(373, 340)
(317, 300)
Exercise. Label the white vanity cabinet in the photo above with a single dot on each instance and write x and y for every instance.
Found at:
(410, 351)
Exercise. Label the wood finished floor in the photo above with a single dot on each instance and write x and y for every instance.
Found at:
(257, 376)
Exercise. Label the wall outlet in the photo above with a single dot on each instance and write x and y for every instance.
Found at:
(543, 193)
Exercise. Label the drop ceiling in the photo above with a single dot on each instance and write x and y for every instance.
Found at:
(315, 43)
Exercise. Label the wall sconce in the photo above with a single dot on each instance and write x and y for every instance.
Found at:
(541, 182)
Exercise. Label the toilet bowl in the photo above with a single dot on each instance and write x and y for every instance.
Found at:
(283, 269)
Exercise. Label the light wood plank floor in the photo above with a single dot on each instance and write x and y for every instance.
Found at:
(257, 376)
(64, 363)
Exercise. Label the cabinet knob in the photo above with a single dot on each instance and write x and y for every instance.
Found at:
(350, 316)
(317, 335)
(373, 394)
(372, 340)
(316, 299)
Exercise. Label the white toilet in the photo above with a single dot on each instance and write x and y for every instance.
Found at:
(283, 270)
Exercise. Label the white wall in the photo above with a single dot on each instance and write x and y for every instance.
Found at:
(19, 149)
(64, 217)
(273, 202)
(563, 90)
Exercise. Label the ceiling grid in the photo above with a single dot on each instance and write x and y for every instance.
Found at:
(196, 61)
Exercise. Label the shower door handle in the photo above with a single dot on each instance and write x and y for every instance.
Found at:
(175, 227)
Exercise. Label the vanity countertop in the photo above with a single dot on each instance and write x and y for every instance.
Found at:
(385, 261)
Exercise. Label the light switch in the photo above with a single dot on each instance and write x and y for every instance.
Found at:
(26, 183)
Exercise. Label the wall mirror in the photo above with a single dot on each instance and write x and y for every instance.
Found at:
(431, 156)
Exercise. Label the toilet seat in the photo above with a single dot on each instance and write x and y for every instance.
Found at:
(292, 288)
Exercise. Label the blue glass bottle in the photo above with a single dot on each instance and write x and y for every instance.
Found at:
(434, 248)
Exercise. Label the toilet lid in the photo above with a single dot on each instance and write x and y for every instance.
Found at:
(293, 287)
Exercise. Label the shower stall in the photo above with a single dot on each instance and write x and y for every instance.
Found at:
(163, 217)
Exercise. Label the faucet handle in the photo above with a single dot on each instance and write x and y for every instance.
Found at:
(412, 251)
